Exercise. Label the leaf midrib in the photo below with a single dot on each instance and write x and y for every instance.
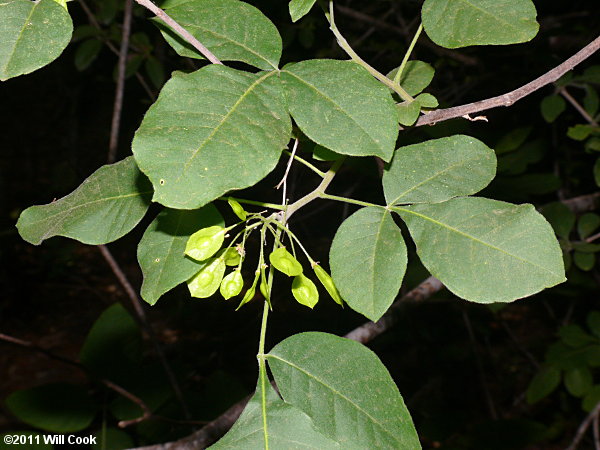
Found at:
(8, 61)
(436, 175)
(473, 238)
(357, 407)
(326, 97)
(239, 101)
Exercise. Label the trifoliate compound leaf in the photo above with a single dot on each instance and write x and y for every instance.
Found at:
(437, 170)
(205, 122)
(339, 381)
(230, 29)
(205, 242)
(339, 105)
(300, 8)
(460, 23)
(285, 262)
(304, 291)
(232, 285)
(505, 251)
(368, 260)
(116, 196)
(32, 35)
(161, 250)
(206, 282)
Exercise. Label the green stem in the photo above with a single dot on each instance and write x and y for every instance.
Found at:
(350, 51)
(306, 163)
(348, 200)
(407, 55)
(253, 202)
(262, 368)
(327, 179)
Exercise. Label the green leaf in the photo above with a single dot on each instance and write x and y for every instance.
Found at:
(552, 106)
(368, 260)
(578, 381)
(591, 102)
(161, 250)
(59, 407)
(408, 112)
(543, 384)
(106, 206)
(587, 224)
(593, 144)
(32, 35)
(581, 132)
(460, 23)
(207, 281)
(597, 172)
(300, 8)
(205, 242)
(339, 105)
(415, 77)
(285, 262)
(287, 427)
(86, 53)
(575, 336)
(585, 261)
(591, 399)
(512, 140)
(427, 100)
(505, 251)
(230, 29)
(560, 217)
(437, 170)
(339, 381)
(304, 291)
(201, 124)
(593, 322)
(112, 347)
(155, 70)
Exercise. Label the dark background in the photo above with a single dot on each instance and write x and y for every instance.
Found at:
(463, 369)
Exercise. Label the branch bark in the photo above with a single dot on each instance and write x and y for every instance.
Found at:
(509, 98)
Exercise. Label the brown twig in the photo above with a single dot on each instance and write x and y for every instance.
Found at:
(563, 91)
(509, 98)
(584, 426)
(120, 89)
(179, 29)
(583, 203)
(143, 320)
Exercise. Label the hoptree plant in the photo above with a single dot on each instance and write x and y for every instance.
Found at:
(218, 129)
